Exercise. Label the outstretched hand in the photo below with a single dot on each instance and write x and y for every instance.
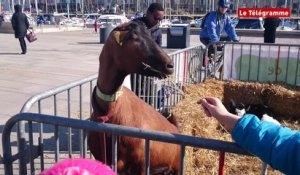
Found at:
(214, 107)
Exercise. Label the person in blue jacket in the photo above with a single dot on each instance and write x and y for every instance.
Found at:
(215, 23)
(276, 145)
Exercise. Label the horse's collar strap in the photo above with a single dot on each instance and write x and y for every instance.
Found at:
(110, 98)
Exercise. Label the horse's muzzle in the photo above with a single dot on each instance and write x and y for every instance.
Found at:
(169, 68)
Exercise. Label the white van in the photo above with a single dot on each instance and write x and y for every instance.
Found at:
(113, 19)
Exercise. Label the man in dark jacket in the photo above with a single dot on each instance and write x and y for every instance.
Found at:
(20, 25)
(143, 86)
(155, 13)
(270, 25)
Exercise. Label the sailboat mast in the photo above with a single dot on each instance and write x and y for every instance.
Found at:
(36, 7)
(55, 4)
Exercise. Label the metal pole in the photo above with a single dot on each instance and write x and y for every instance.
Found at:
(36, 7)
(291, 6)
(124, 7)
(170, 9)
(23, 5)
(12, 5)
(55, 4)
(177, 8)
(193, 7)
(298, 8)
(29, 6)
(46, 2)
(76, 10)
(68, 9)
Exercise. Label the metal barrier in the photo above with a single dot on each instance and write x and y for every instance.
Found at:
(163, 94)
(261, 62)
(59, 123)
(73, 101)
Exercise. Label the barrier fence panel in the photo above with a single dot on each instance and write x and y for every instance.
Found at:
(244, 61)
(163, 94)
(73, 101)
(262, 62)
(55, 124)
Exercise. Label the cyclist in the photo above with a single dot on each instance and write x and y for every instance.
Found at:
(215, 23)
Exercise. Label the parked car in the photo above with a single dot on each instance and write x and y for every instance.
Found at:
(198, 22)
(113, 19)
(165, 23)
(286, 25)
(234, 21)
(90, 18)
(49, 19)
(193, 23)
(297, 25)
(249, 23)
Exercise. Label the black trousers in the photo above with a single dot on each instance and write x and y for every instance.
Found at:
(269, 36)
(23, 44)
(206, 41)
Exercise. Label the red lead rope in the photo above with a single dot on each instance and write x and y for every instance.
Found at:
(277, 63)
(221, 163)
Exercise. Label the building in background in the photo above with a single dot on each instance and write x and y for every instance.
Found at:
(172, 7)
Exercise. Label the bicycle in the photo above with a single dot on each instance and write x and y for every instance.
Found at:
(204, 63)
(214, 59)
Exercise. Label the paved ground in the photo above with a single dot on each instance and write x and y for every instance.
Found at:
(53, 60)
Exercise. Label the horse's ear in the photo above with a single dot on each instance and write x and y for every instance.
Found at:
(118, 36)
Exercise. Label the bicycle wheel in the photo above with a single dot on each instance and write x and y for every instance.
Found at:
(218, 66)
(195, 68)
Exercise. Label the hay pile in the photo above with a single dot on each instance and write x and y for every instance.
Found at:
(193, 121)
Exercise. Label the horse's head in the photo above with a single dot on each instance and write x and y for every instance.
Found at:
(136, 52)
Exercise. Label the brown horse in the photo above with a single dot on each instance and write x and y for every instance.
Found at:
(130, 49)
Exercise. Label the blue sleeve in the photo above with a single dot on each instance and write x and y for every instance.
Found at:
(211, 27)
(230, 29)
(276, 145)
